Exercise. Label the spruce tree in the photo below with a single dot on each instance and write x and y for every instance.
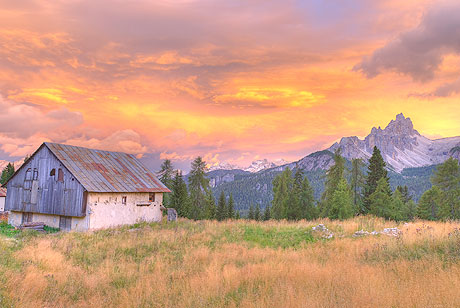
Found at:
(251, 213)
(282, 186)
(7, 173)
(381, 203)
(307, 200)
(376, 171)
(257, 213)
(333, 176)
(210, 206)
(166, 174)
(221, 212)
(429, 204)
(447, 179)
(198, 189)
(357, 183)
(342, 203)
(179, 195)
(396, 208)
(267, 213)
(230, 207)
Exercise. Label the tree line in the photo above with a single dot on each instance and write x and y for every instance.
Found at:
(366, 194)
(195, 200)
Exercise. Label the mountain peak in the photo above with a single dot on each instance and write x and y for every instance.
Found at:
(401, 126)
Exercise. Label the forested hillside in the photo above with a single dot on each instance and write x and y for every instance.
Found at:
(257, 188)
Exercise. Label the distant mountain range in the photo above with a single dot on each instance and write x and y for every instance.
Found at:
(411, 159)
(255, 166)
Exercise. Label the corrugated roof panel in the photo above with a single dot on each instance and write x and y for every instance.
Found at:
(104, 171)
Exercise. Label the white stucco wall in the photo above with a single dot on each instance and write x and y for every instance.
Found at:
(106, 209)
(78, 223)
(2, 204)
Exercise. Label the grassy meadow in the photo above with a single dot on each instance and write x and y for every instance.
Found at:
(234, 264)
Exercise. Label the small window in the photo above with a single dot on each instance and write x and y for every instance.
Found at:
(123, 200)
(35, 174)
(60, 175)
(152, 197)
(28, 174)
(53, 172)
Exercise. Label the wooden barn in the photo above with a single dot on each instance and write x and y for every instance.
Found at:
(75, 188)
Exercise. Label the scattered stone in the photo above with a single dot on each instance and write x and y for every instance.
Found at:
(326, 233)
(391, 231)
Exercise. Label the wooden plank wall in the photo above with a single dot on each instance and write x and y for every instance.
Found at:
(45, 194)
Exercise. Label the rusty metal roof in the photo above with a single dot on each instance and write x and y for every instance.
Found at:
(104, 171)
(2, 192)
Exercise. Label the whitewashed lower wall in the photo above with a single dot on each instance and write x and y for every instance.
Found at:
(105, 210)
(78, 223)
(2, 204)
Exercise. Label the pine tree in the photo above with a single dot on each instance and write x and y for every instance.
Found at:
(409, 211)
(7, 173)
(230, 207)
(376, 171)
(198, 188)
(251, 213)
(210, 206)
(221, 212)
(166, 174)
(307, 200)
(447, 179)
(404, 190)
(396, 208)
(282, 186)
(237, 215)
(429, 204)
(333, 176)
(257, 214)
(267, 213)
(357, 183)
(342, 203)
(179, 195)
(380, 200)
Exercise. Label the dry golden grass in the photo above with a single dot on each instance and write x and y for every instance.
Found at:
(235, 264)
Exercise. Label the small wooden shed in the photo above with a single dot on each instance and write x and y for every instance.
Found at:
(76, 188)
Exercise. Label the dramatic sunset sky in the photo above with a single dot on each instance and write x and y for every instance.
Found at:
(232, 80)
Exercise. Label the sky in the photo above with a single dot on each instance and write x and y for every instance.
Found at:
(231, 81)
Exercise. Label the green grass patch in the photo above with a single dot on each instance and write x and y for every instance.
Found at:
(281, 237)
(8, 230)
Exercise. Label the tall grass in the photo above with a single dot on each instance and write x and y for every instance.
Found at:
(235, 264)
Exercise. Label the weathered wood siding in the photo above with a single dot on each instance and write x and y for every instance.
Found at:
(33, 189)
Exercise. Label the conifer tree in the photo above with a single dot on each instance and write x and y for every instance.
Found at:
(221, 212)
(198, 188)
(251, 213)
(282, 186)
(307, 200)
(380, 200)
(267, 213)
(376, 171)
(179, 195)
(396, 209)
(210, 206)
(230, 207)
(237, 215)
(166, 174)
(333, 176)
(409, 211)
(257, 213)
(429, 204)
(7, 173)
(404, 190)
(447, 179)
(357, 183)
(342, 203)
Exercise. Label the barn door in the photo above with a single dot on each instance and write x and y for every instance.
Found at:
(27, 217)
(65, 223)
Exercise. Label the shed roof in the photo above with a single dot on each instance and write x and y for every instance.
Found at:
(2, 192)
(104, 171)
